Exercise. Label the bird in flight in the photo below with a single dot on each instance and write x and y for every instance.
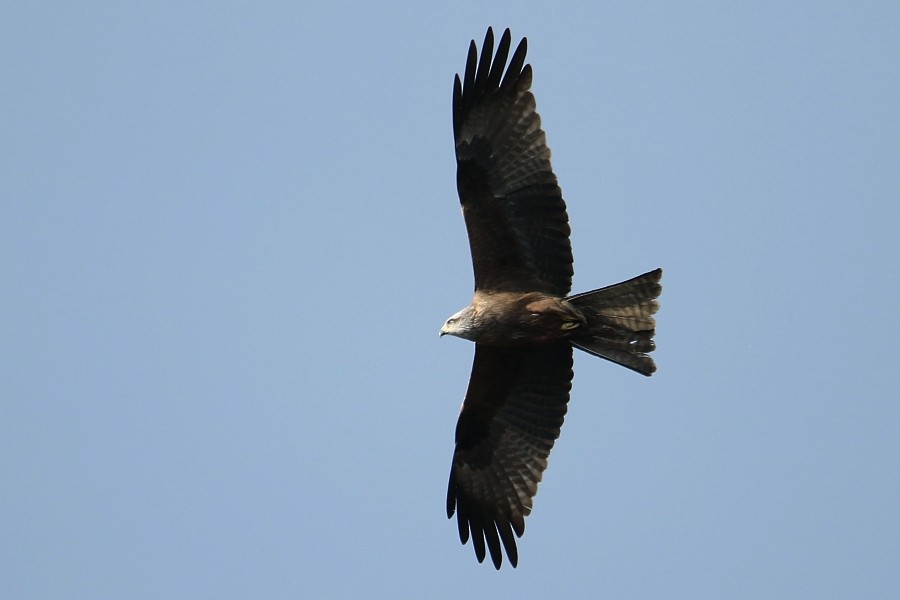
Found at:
(522, 319)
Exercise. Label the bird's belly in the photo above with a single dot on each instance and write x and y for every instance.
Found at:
(529, 328)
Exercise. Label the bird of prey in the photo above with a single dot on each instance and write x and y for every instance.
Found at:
(522, 319)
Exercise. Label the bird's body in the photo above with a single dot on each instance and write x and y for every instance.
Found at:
(522, 319)
(513, 318)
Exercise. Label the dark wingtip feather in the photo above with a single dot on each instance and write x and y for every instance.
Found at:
(509, 542)
(515, 65)
(517, 520)
(457, 105)
(493, 543)
(462, 524)
(499, 62)
(471, 61)
(477, 538)
(451, 498)
(484, 65)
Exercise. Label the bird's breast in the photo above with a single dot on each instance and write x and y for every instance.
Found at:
(510, 318)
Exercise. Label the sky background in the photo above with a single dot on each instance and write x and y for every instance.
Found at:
(229, 234)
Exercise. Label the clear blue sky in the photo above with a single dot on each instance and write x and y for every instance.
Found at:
(229, 234)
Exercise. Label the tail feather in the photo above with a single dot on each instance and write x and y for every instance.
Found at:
(620, 322)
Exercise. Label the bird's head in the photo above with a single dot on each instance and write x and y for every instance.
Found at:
(462, 325)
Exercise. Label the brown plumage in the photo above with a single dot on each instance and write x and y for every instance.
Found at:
(521, 319)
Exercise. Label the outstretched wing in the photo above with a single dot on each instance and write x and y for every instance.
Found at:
(512, 414)
(513, 207)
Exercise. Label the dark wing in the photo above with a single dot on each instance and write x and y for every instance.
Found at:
(513, 412)
(514, 210)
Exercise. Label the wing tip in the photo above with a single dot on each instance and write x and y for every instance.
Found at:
(490, 535)
(490, 72)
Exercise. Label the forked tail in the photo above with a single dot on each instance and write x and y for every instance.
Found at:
(620, 323)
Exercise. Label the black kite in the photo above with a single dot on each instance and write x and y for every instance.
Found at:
(522, 320)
